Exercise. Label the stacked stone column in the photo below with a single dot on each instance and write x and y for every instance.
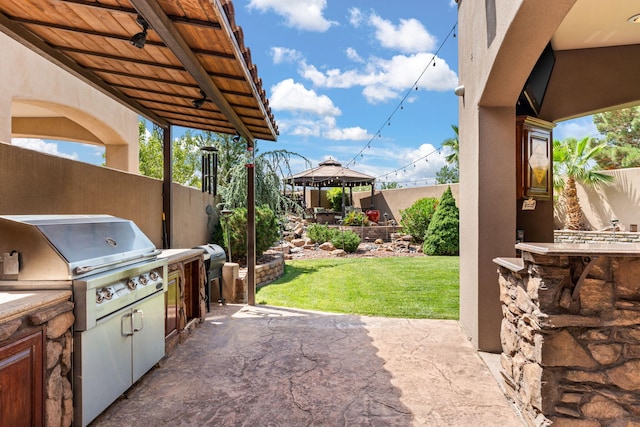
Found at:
(571, 339)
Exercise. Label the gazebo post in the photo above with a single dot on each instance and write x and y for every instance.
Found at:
(304, 196)
(373, 188)
(343, 210)
(351, 196)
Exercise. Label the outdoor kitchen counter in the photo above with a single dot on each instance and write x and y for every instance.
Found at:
(14, 304)
(570, 332)
(179, 255)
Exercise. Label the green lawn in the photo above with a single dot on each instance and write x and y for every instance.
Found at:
(411, 287)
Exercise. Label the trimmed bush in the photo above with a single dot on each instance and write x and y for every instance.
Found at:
(415, 219)
(320, 233)
(347, 240)
(267, 231)
(443, 235)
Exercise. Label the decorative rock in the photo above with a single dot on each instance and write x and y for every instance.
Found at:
(298, 243)
(606, 354)
(562, 349)
(53, 412)
(327, 246)
(54, 384)
(339, 253)
(299, 230)
(585, 377)
(626, 376)
(626, 273)
(407, 238)
(508, 338)
(59, 325)
(596, 295)
(7, 329)
(574, 422)
(602, 408)
(54, 350)
(532, 376)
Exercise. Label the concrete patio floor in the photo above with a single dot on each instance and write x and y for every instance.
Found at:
(267, 366)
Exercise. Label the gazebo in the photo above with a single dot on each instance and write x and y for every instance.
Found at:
(331, 173)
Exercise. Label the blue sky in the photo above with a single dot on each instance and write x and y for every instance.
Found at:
(367, 82)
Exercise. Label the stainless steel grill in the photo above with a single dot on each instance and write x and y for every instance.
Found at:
(118, 286)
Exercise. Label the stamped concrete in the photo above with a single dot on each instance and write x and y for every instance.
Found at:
(266, 366)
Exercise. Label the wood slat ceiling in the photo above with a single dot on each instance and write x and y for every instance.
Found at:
(191, 46)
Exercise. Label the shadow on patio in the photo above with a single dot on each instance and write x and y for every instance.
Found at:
(267, 366)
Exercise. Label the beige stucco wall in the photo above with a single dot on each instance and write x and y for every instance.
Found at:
(395, 200)
(496, 54)
(60, 106)
(36, 183)
(619, 200)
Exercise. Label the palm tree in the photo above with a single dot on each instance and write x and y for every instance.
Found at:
(454, 145)
(573, 161)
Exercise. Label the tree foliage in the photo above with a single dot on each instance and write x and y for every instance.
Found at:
(235, 231)
(443, 234)
(185, 151)
(415, 220)
(620, 127)
(334, 197)
(573, 161)
(390, 185)
(447, 175)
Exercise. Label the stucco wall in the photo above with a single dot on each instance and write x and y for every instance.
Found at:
(38, 88)
(619, 200)
(393, 201)
(36, 183)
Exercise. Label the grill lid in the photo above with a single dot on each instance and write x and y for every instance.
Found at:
(62, 247)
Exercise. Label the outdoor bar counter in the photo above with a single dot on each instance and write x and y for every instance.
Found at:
(570, 333)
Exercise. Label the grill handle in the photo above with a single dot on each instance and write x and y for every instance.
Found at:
(133, 320)
(127, 325)
(87, 268)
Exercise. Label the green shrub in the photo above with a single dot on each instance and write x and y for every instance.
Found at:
(347, 240)
(320, 233)
(416, 219)
(334, 197)
(267, 231)
(355, 218)
(443, 235)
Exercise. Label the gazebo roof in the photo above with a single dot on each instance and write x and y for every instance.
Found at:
(330, 173)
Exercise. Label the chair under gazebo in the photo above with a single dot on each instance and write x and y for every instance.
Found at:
(331, 173)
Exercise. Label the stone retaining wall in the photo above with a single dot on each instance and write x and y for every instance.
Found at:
(570, 236)
(371, 233)
(571, 339)
(265, 273)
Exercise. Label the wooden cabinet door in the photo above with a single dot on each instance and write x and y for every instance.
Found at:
(22, 381)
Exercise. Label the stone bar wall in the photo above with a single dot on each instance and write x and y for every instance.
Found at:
(571, 339)
(56, 320)
(571, 236)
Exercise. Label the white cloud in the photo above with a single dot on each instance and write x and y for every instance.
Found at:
(290, 96)
(300, 14)
(42, 146)
(385, 79)
(283, 54)
(409, 36)
(355, 17)
(576, 128)
(453, 3)
(428, 160)
(353, 55)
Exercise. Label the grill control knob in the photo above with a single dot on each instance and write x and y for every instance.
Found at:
(143, 280)
(131, 284)
(154, 276)
(99, 297)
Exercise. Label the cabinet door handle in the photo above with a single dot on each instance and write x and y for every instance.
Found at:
(127, 325)
(137, 314)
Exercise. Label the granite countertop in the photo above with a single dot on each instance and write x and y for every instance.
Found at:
(513, 264)
(608, 249)
(16, 303)
(177, 255)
